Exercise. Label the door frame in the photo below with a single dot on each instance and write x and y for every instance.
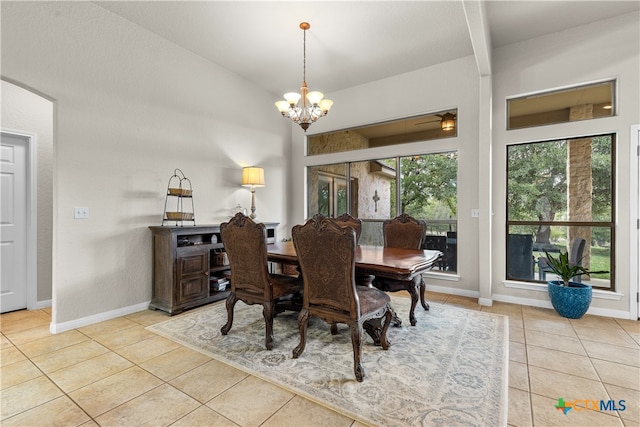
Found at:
(634, 199)
(31, 222)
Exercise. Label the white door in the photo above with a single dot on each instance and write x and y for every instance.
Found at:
(13, 222)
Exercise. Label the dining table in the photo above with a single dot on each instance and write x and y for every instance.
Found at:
(393, 263)
(373, 261)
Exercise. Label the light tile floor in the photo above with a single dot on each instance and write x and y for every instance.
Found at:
(118, 373)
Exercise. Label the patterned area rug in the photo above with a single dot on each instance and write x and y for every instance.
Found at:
(450, 369)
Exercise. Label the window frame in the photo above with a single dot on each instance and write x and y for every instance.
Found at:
(611, 224)
(563, 101)
(397, 159)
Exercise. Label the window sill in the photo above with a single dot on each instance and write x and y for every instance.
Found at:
(542, 287)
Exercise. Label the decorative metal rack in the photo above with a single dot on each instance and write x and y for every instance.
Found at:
(179, 192)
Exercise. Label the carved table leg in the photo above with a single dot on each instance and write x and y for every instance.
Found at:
(425, 305)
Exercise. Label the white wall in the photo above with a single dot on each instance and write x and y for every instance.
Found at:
(604, 50)
(24, 111)
(131, 108)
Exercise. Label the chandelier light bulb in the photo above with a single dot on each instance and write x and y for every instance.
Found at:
(292, 97)
(283, 106)
(325, 105)
(315, 97)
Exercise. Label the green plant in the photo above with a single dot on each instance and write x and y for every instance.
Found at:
(565, 269)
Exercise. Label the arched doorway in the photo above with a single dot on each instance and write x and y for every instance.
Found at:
(25, 112)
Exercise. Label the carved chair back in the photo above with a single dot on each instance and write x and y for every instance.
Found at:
(326, 254)
(326, 257)
(245, 242)
(347, 220)
(404, 231)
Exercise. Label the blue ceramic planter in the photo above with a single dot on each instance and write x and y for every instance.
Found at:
(572, 301)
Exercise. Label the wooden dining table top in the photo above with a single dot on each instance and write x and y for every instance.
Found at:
(394, 263)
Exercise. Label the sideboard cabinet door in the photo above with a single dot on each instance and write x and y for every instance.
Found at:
(192, 277)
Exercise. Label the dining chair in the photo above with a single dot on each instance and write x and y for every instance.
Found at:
(405, 232)
(326, 253)
(245, 242)
(347, 220)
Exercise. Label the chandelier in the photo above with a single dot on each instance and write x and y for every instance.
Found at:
(312, 106)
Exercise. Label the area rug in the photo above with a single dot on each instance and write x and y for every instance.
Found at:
(450, 369)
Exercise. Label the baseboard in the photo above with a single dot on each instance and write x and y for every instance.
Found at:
(607, 312)
(452, 291)
(532, 302)
(487, 302)
(55, 328)
(39, 305)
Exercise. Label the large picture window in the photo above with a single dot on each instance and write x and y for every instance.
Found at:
(560, 197)
(423, 186)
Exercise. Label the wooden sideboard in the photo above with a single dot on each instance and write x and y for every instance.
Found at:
(183, 265)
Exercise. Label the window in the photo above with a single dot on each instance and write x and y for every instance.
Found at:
(559, 192)
(420, 128)
(423, 186)
(578, 103)
(328, 193)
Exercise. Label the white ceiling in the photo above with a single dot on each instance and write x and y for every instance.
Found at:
(350, 42)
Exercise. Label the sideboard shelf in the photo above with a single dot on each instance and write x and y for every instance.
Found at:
(183, 265)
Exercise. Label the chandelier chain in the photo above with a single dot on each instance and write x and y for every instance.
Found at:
(304, 56)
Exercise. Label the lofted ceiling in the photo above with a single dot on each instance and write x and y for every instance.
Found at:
(351, 42)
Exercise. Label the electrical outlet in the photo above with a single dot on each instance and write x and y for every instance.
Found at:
(81, 213)
(475, 213)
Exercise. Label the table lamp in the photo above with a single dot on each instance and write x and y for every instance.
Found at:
(253, 177)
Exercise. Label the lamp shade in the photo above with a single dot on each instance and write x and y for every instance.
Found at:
(315, 97)
(253, 176)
